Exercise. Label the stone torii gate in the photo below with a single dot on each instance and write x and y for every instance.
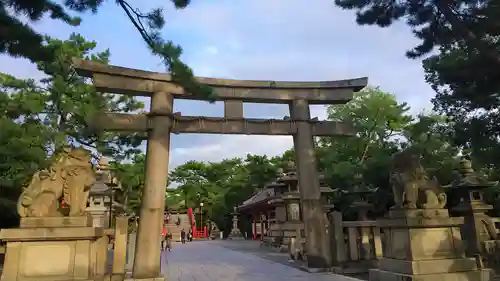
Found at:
(161, 121)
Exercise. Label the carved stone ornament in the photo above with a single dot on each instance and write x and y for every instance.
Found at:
(290, 166)
(411, 185)
(68, 179)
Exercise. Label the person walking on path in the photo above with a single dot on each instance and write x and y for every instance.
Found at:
(166, 217)
(163, 237)
(183, 236)
(190, 236)
(169, 241)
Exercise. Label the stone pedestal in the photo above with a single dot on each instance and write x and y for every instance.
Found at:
(425, 245)
(100, 216)
(236, 235)
(55, 249)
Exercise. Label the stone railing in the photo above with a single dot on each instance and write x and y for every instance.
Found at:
(2, 256)
(357, 245)
(491, 256)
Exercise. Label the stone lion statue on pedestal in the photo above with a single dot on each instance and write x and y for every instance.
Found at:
(60, 190)
(411, 185)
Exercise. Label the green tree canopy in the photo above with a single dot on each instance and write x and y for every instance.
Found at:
(384, 126)
(221, 185)
(460, 40)
(62, 101)
(467, 91)
(131, 176)
(472, 23)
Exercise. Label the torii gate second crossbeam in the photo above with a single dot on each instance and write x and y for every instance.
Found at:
(161, 121)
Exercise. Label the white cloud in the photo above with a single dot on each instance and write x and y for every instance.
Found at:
(211, 50)
(260, 39)
(233, 146)
(295, 40)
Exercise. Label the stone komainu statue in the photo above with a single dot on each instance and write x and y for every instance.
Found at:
(68, 179)
(411, 185)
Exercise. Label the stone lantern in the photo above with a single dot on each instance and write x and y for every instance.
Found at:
(361, 194)
(477, 226)
(100, 196)
(235, 230)
(278, 189)
(362, 205)
(326, 191)
(290, 168)
(291, 197)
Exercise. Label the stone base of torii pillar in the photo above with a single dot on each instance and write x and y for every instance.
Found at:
(235, 233)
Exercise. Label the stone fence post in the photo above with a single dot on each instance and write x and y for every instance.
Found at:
(130, 251)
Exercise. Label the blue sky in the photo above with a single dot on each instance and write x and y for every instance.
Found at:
(254, 39)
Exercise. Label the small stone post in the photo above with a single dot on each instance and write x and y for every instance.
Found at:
(120, 248)
(131, 246)
(339, 250)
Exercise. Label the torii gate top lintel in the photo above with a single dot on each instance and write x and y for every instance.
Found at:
(136, 82)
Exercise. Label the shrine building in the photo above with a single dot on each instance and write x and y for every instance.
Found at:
(275, 211)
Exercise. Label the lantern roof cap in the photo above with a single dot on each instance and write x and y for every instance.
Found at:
(470, 178)
(100, 188)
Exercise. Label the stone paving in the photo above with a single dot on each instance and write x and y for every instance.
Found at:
(209, 261)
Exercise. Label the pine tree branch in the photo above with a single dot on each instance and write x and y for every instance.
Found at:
(461, 31)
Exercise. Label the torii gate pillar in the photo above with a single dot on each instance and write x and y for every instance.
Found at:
(317, 242)
(147, 252)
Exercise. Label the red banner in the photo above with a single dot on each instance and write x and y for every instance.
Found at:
(192, 221)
